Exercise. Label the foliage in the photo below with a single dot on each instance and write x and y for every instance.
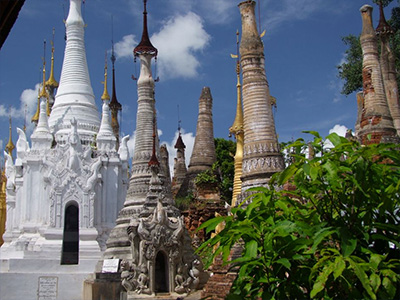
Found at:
(225, 151)
(350, 71)
(335, 237)
(183, 203)
(207, 177)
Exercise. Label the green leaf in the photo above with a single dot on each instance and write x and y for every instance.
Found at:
(284, 262)
(320, 236)
(340, 265)
(251, 249)
(362, 276)
(334, 138)
(375, 260)
(348, 242)
(375, 282)
(389, 287)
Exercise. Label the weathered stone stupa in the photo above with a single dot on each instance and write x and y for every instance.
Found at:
(203, 154)
(388, 67)
(261, 156)
(179, 165)
(376, 124)
(118, 244)
(150, 243)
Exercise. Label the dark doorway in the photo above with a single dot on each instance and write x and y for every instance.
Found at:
(161, 273)
(70, 247)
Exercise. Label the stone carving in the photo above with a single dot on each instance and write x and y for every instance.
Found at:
(9, 171)
(154, 232)
(128, 274)
(123, 149)
(22, 146)
(143, 281)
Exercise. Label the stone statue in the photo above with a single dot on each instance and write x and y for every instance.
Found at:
(180, 282)
(128, 275)
(75, 147)
(123, 148)
(9, 171)
(22, 146)
(143, 282)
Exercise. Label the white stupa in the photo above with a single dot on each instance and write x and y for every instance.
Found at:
(65, 189)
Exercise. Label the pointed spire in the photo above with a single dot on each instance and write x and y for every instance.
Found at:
(383, 27)
(43, 93)
(41, 137)
(105, 96)
(237, 130)
(35, 117)
(52, 82)
(75, 98)
(10, 145)
(153, 160)
(145, 46)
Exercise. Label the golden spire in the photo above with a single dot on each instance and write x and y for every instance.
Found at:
(44, 93)
(52, 82)
(105, 95)
(10, 145)
(237, 130)
(35, 117)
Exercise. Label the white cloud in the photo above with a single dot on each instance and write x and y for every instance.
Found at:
(131, 144)
(188, 140)
(178, 41)
(124, 48)
(28, 102)
(339, 129)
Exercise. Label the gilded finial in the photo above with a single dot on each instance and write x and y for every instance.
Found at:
(52, 82)
(105, 95)
(35, 118)
(44, 93)
(10, 145)
(238, 123)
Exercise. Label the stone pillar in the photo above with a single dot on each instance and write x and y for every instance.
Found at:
(261, 157)
(376, 124)
(388, 68)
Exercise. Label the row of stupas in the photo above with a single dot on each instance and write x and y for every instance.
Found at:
(378, 119)
(78, 227)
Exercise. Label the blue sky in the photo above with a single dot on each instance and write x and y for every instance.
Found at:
(195, 38)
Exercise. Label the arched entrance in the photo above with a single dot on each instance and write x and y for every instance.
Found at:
(70, 247)
(161, 273)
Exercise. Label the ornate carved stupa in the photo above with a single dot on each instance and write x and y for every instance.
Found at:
(388, 67)
(261, 156)
(376, 124)
(62, 198)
